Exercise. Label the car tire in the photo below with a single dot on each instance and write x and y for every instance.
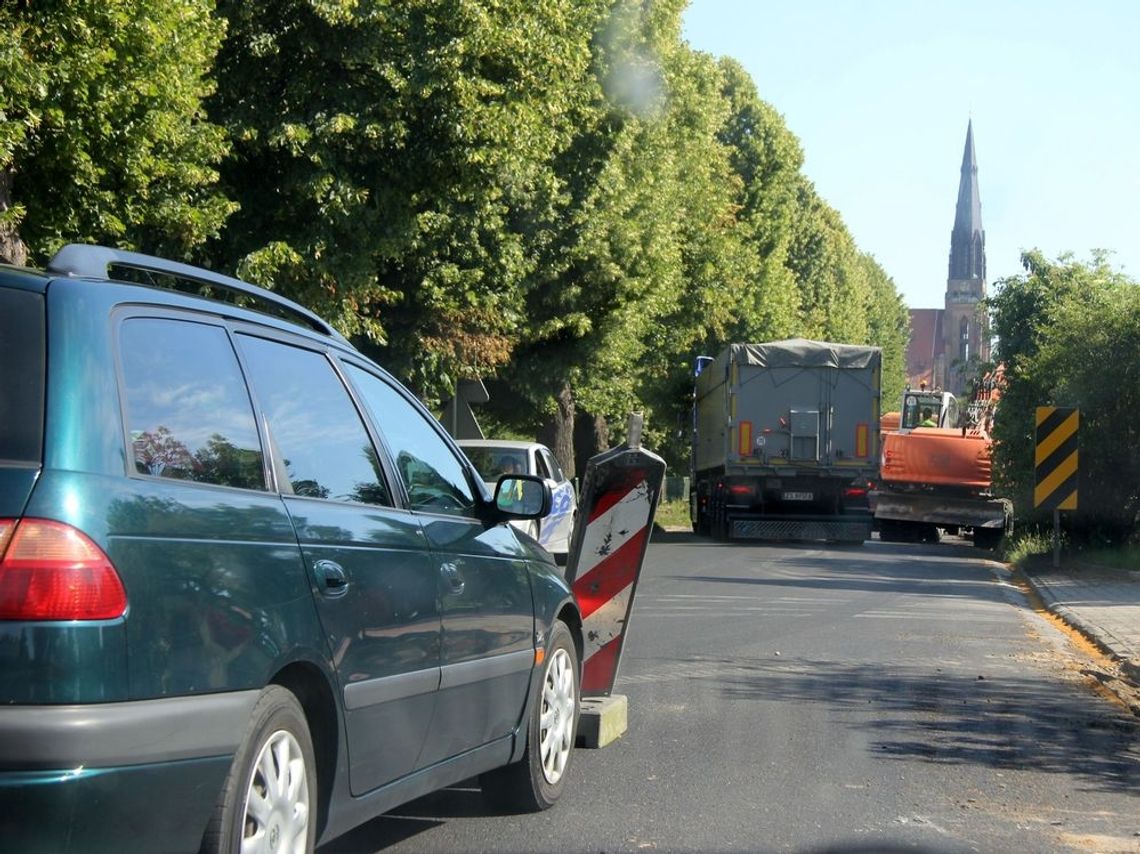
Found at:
(271, 790)
(535, 783)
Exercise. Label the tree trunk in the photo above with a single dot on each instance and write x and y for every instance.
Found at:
(558, 432)
(591, 436)
(12, 248)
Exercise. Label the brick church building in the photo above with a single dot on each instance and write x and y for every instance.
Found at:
(946, 342)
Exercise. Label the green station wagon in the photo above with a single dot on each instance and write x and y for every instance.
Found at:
(251, 594)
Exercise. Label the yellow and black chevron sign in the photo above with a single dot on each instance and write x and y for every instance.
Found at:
(1055, 458)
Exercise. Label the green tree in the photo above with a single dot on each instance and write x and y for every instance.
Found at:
(562, 198)
(767, 159)
(697, 228)
(102, 137)
(1058, 326)
(393, 162)
(888, 326)
(834, 292)
(645, 256)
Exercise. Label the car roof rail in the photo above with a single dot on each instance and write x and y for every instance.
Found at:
(96, 262)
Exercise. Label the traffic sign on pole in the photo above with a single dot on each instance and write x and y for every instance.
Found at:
(1056, 458)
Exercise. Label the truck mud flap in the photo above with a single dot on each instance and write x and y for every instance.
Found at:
(854, 530)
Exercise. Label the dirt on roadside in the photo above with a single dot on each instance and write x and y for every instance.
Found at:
(1099, 670)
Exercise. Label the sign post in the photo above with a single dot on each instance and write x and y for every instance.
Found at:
(1056, 458)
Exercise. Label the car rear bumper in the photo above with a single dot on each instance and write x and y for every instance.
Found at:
(160, 808)
(140, 776)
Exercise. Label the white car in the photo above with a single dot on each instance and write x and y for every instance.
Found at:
(495, 457)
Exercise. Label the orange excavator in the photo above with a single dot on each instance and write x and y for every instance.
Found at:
(935, 474)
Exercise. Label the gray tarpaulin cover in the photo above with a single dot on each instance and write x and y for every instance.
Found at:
(802, 353)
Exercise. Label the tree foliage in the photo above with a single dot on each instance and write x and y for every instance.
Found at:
(1069, 335)
(393, 161)
(767, 159)
(102, 137)
(888, 326)
(646, 257)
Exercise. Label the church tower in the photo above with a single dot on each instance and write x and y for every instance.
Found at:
(965, 339)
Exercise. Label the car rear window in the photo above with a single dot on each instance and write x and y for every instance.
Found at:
(492, 462)
(21, 377)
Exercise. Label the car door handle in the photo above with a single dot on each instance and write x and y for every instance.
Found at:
(454, 577)
(332, 580)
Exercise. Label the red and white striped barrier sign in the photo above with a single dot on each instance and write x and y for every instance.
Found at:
(615, 511)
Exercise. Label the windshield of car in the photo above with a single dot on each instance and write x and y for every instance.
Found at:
(492, 462)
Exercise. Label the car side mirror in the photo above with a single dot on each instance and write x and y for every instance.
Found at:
(522, 496)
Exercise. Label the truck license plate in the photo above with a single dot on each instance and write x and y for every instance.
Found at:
(798, 496)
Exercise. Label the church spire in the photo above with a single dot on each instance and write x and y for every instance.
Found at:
(968, 239)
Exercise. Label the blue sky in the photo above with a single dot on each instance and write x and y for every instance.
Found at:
(879, 93)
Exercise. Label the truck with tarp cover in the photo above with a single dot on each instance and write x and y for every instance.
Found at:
(785, 439)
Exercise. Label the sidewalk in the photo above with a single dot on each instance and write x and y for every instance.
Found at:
(1101, 603)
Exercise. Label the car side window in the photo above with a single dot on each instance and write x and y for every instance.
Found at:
(432, 473)
(324, 445)
(188, 411)
(555, 469)
(542, 465)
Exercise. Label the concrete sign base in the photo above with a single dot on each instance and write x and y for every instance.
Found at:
(603, 720)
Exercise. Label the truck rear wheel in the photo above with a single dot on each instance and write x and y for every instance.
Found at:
(929, 533)
(898, 531)
(987, 538)
(890, 531)
(721, 525)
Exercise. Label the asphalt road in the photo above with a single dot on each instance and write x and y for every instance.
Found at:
(811, 699)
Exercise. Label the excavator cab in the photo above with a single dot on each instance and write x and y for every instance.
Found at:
(923, 408)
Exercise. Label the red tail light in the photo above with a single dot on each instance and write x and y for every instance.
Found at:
(854, 492)
(51, 571)
(740, 490)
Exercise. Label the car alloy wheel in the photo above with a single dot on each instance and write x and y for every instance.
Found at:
(556, 719)
(276, 811)
(537, 781)
(269, 800)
